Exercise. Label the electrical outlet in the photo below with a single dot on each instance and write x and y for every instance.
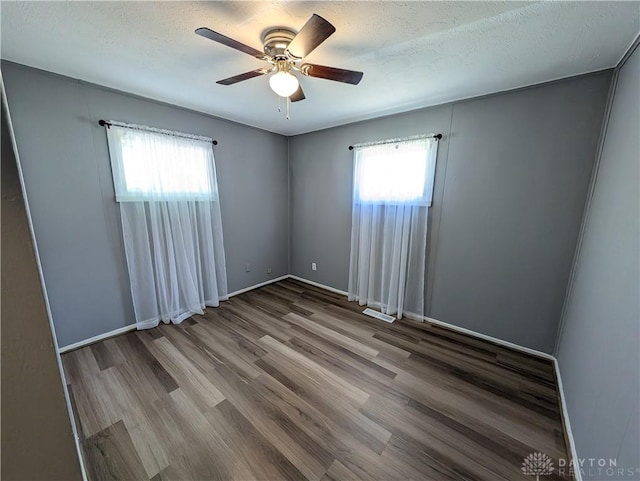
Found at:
(247, 267)
(268, 270)
(313, 266)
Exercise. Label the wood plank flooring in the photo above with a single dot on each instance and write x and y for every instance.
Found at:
(290, 382)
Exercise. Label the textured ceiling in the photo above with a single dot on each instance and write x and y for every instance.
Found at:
(413, 54)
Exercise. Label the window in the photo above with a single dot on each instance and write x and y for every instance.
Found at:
(165, 185)
(398, 172)
(151, 165)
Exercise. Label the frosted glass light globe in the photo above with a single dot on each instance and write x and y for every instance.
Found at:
(283, 83)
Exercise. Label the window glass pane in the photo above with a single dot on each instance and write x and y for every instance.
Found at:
(148, 165)
(156, 169)
(401, 178)
(396, 172)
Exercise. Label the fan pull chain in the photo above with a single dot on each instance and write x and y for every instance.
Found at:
(288, 106)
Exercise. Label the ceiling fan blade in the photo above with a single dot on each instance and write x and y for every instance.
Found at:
(229, 42)
(298, 95)
(312, 34)
(332, 73)
(243, 76)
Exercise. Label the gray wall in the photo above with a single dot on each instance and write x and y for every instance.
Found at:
(512, 176)
(67, 173)
(511, 181)
(599, 351)
(37, 441)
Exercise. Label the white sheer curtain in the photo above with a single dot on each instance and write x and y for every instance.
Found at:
(393, 186)
(167, 189)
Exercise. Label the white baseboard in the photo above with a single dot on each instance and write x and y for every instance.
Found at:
(446, 325)
(567, 424)
(132, 327)
(452, 327)
(317, 284)
(494, 340)
(266, 283)
(99, 337)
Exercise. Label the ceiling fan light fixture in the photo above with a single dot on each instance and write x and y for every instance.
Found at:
(283, 83)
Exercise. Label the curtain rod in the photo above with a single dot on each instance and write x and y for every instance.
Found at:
(108, 124)
(392, 141)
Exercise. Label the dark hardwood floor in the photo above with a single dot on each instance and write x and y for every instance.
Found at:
(290, 382)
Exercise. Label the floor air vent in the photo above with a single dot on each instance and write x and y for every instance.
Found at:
(379, 315)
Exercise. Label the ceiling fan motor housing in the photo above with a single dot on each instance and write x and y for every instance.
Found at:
(276, 42)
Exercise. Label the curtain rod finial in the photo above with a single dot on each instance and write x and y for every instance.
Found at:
(351, 147)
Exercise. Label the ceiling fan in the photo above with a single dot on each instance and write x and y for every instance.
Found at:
(285, 49)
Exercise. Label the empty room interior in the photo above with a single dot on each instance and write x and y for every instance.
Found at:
(320, 241)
